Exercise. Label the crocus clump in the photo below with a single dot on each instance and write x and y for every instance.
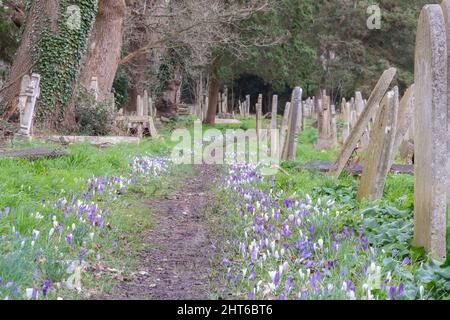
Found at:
(42, 249)
(289, 247)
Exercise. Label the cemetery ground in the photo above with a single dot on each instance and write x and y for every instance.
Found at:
(122, 222)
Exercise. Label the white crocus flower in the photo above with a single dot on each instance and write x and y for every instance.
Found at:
(320, 242)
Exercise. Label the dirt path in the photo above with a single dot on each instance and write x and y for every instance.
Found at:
(178, 250)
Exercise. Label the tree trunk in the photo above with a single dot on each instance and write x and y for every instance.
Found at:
(42, 13)
(104, 47)
(213, 93)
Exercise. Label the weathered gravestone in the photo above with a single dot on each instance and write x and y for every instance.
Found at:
(446, 11)
(430, 132)
(247, 105)
(405, 117)
(29, 94)
(273, 122)
(380, 150)
(368, 112)
(347, 120)
(290, 147)
(284, 128)
(334, 135)
(145, 106)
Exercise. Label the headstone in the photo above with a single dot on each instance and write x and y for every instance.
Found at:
(259, 119)
(94, 87)
(359, 103)
(140, 106)
(347, 120)
(290, 150)
(273, 122)
(29, 94)
(431, 135)
(152, 128)
(319, 111)
(334, 136)
(405, 117)
(284, 128)
(145, 106)
(247, 101)
(326, 130)
(380, 151)
(446, 11)
(352, 141)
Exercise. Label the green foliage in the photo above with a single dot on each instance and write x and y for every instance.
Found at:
(171, 58)
(8, 38)
(120, 88)
(93, 118)
(58, 57)
(310, 31)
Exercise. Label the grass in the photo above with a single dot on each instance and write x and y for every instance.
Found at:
(25, 185)
(29, 191)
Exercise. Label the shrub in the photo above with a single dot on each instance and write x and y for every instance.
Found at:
(93, 118)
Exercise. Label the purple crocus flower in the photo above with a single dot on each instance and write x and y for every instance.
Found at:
(34, 294)
(287, 203)
(392, 293)
(226, 262)
(401, 289)
(311, 231)
(252, 295)
(276, 279)
(69, 239)
(405, 261)
(46, 286)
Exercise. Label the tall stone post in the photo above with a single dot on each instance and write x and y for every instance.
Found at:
(430, 132)
(284, 128)
(334, 136)
(145, 106)
(290, 151)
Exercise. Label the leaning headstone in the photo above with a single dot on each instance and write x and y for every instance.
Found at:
(430, 128)
(29, 94)
(380, 151)
(352, 141)
(359, 103)
(284, 128)
(152, 128)
(290, 150)
(405, 117)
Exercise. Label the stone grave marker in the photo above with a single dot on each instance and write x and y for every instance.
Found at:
(430, 132)
(380, 150)
(355, 135)
(29, 94)
(290, 148)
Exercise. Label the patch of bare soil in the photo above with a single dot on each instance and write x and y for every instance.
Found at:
(176, 261)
